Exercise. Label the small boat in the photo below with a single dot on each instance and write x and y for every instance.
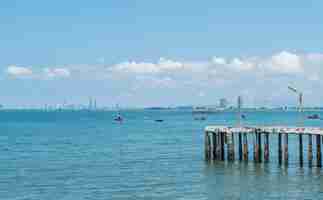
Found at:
(314, 116)
(200, 118)
(118, 118)
(159, 120)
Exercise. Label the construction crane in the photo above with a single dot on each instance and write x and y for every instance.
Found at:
(239, 106)
(300, 104)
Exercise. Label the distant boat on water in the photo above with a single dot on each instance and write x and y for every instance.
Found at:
(206, 110)
(199, 113)
(200, 118)
(118, 118)
(314, 116)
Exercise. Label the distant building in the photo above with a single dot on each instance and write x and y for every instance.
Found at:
(157, 108)
(184, 107)
(95, 104)
(223, 103)
(90, 103)
(239, 106)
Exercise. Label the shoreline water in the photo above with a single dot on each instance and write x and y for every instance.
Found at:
(85, 155)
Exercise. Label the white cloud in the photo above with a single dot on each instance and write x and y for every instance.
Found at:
(259, 75)
(19, 71)
(163, 65)
(168, 72)
(235, 64)
(144, 81)
(40, 73)
(285, 63)
(56, 72)
(241, 65)
(218, 61)
(135, 67)
(313, 77)
(166, 64)
(223, 71)
(196, 67)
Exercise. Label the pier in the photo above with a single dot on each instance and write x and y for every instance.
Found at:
(223, 142)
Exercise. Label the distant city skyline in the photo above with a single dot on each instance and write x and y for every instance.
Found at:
(160, 53)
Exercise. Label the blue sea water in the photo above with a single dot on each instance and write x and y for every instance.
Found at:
(85, 155)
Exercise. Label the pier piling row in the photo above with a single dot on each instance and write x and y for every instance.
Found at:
(221, 138)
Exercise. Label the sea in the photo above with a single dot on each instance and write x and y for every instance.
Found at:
(82, 155)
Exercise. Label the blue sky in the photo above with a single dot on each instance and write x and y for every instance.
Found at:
(139, 53)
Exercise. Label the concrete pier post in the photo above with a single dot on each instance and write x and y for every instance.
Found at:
(286, 149)
(214, 142)
(233, 146)
(222, 145)
(207, 146)
(218, 146)
(256, 147)
(230, 146)
(310, 150)
(240, 146)
(266, 153)
(254, 139)
(300, 146)
(245, 147)
(219, 143)
(279, 148)
(318, 151)
(259, 146)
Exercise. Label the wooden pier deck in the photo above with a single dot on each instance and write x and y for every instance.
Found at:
(219, 139)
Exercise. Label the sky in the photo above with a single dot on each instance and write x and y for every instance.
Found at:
(160, 53)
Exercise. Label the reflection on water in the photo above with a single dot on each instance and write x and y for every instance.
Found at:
(241, 180)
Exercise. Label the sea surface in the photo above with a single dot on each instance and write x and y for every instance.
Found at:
(86, 155)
